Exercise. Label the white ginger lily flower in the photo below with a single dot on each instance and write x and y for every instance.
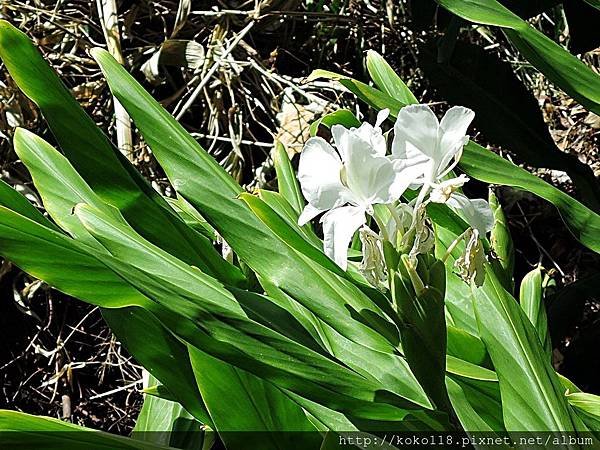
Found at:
(420, 140)
(435, 147)
(347, 182)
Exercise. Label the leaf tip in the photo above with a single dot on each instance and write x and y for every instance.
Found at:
(98, 53)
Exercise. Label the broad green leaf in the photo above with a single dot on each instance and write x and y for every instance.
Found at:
(423, 328)
(366, 93)
(247, 345)
(505, 111)
(387, 80)
(488, 12)
(240, 402)
(375, 316)
(323, 418)
(341, 116)
(59, 185)
(27, 432)
(68, 266)
(488, 167)
(468, 417)
(198, 178)
(158, 390)
(557, 64)
(62, 262)
(11, 199)
(532, 301)
(284, 210)
(466, 346)
(110, 175)
(213, 313)
(166, 358)
(287, 183)
(391, 370)
(484, 397)
(192, 217)
(465, 369)
(532, 396)
(165, 422)
(502, 243)
(458, 295)
(587, 407)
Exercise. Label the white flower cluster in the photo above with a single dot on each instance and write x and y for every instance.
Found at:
(345, 181)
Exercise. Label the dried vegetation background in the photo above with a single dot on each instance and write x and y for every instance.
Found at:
(232, 72)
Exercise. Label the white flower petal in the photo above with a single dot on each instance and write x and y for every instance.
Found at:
(319, 175)
(309, 213)
(340, 139)
(369, 177)
(409, 175)
(366, 137)
(381, 117)
(476, 212)
(339, 225)
(415, 133)
(454, 126)
(374, 137)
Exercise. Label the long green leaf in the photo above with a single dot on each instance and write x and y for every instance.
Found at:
(62, 262)
(286, 178)
(423, 330)
(105, 169)
(368, 94)
(27, 432)
(165, 422)
(59, 185)
(387, 80)
(68, 266)
(562, 68)
(532, 302)
(11, 199)
(532, 396)
(197, 177)
(468, 417)
(249, 412)
(502, 244)
(588, 408)
(211, 309)
(485, 399)
(279, 204)
(488, 167)
(166, 358)
(506, 112)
